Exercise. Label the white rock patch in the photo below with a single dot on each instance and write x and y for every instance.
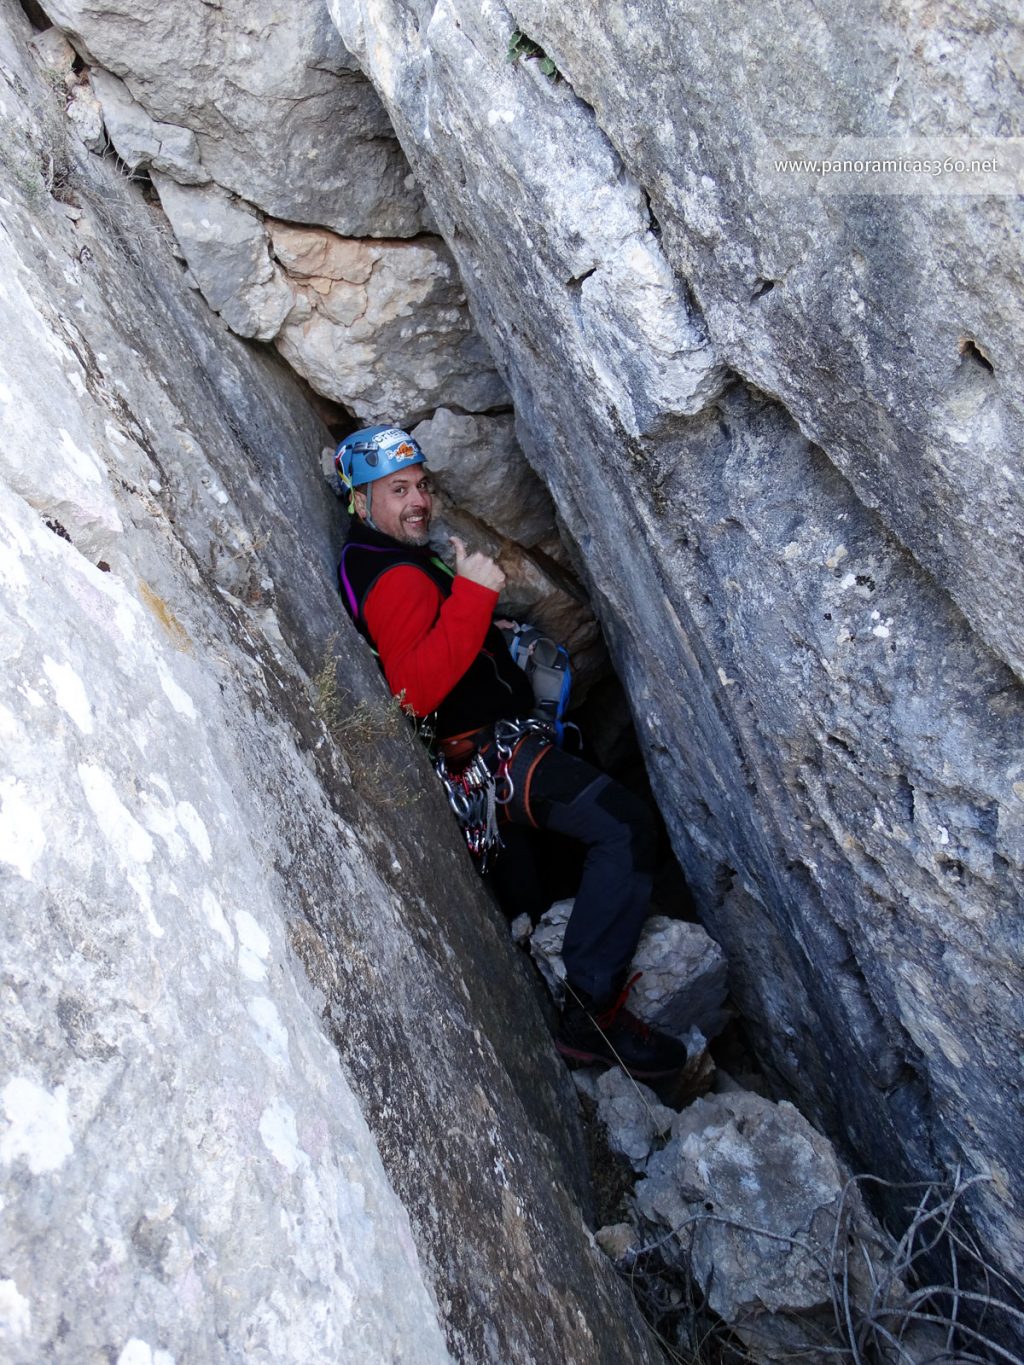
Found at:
(69, 693)
(193, 826)
(253, 947)
(122, 831)
(15, 1312)
(22, 833)
(215, 917)
(38, 1127)
(272, 1036)
(280, 1136)
(138, 1352)
(177, 696)
(81, 463)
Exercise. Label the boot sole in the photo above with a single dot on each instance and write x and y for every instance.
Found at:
(575, 1054)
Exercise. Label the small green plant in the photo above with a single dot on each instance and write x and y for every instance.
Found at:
(369, 721)
(361, 728)
(37, 157)
(519, 45)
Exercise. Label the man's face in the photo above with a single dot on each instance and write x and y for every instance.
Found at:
(401, 505)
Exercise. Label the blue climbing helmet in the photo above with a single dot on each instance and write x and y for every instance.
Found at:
(373, 453)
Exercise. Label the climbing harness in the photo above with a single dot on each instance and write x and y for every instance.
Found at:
(477, 791)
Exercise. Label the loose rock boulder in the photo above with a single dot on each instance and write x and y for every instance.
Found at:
(687, 970)
(633, 1116)
(281, 113)
(747, 1196)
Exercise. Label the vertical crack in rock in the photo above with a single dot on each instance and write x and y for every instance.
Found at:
(173, 1115)
(752, 601)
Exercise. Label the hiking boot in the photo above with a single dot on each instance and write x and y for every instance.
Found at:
(590, 1031)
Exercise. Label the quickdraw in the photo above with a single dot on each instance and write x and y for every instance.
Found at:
(476, 791)
(471, 795)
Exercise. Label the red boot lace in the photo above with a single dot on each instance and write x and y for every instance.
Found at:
(617, 1010)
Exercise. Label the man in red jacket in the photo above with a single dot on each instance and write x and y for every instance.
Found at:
(434, 633)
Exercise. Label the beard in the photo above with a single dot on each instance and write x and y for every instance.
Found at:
(417, 534)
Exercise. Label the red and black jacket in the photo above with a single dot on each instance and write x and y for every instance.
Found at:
(432, 632)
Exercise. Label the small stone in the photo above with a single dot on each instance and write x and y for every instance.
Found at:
(155, 486)
(684, 978)
(618, 1240)
(84, 112)
(585, 1079)
(520, 928)
(52, 50)
(633, 1116)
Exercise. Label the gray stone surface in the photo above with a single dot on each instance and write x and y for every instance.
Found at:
(281, 112)
(272, 1082)
(546, 947)
(382, 327)
(882, 302)
(379, 326)
(803, 629)
(684, 981)
(140, 141)
(681, 990)
(228, 252)
(477, 462)
(633, 1116)
(753, 1194)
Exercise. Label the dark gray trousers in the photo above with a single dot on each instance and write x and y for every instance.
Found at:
(556, 791)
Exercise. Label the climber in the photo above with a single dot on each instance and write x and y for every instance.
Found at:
(442, 654)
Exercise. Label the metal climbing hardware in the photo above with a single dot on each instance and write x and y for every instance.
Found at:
(477, 791)
(472, 797)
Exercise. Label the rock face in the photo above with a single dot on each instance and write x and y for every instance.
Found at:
(791, 465)
(279, 112)
(736, 1167)
(227, 250)
(265, 1093)
(382, 326)
(478, 464)
(272, 116)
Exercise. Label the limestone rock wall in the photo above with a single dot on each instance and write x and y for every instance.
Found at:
(296, 217)
(264, 1094)
(783, 432)
(252, 92)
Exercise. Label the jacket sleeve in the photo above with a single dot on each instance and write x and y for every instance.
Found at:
(426, 641)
